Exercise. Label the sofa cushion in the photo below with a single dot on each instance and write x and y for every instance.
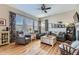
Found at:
(21, 35)
(26, 38)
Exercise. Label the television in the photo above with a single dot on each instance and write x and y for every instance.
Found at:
(76, 17)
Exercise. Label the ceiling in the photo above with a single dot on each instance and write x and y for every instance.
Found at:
(34, 9)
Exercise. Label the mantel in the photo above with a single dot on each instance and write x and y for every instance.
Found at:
(4, 31)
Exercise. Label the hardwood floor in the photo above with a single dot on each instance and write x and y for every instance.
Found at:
(33, 48)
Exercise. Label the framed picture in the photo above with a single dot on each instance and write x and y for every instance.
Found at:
(2, 22)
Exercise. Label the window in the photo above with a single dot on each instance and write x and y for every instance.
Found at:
(29, 24)
(35, 25)
(19, 20)
(24, 24)
(29, 21)
(19, 23)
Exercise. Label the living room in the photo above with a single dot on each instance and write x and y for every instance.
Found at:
(39, 29)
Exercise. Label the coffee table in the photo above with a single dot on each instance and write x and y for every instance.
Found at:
(51, 40)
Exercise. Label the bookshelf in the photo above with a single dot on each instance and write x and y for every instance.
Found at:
(4, 37)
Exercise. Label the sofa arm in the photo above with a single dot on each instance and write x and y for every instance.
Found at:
(76, 52)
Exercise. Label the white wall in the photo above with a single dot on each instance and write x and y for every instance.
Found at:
(66, 18)
(5, 15)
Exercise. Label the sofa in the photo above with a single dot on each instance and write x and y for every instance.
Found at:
(61, 36)
(39, 35)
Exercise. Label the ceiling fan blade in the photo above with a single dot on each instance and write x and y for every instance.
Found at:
(47, 8)
(45, 11)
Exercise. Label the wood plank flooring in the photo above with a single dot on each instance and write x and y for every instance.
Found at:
(33, 48)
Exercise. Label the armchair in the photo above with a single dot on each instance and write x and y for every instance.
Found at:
(67, 49)
(61, 36)
(22, 39)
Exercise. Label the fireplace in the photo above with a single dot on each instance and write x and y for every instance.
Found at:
(78, 35)
(77, 31)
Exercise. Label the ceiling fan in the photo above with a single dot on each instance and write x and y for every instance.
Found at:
(44, 8)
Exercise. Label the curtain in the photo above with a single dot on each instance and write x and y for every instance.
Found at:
(39, 26)
(33, 25)
(12, 26)
(46, 25)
